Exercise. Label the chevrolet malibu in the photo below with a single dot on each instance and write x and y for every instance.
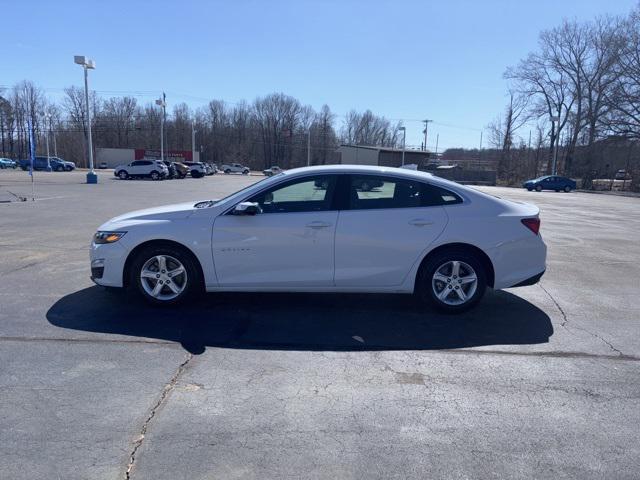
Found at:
(337, 228)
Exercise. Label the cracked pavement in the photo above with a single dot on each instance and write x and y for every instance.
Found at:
(541, 381)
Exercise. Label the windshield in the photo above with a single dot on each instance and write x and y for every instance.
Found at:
(239, 193)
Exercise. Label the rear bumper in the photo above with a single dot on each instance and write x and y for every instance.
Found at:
(529, 281)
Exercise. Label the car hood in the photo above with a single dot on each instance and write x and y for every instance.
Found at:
(166, 212)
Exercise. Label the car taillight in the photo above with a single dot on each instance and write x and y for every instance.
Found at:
(532, 224)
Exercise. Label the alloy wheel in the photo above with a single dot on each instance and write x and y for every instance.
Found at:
(163, 277)
(454, 282)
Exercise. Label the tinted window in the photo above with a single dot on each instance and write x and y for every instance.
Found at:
(311, 194)
(370, 191)
(434, 195)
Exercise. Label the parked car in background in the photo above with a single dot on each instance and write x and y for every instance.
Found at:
(154, 169)
(172, 173)
(40, 163)
(102, 166)
(235, 168)
(197, 169)
(181, 169)
(7, 163)
(550, 182)
(272, 171)
(622, 174)
(210, 168)
(284, 234)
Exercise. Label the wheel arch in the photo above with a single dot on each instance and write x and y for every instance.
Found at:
(160, 243)
(482, 256)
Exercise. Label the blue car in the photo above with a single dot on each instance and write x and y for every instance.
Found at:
(7, 163)
(40, 163)
(550, 182)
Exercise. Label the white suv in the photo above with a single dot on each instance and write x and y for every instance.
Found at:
(197, 169)
(154, 169)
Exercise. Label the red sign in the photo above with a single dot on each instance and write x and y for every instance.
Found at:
(175, 155)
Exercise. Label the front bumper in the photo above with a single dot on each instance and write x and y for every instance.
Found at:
(107, 264)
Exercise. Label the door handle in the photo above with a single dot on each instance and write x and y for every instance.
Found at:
(420, 222)
(318, 225)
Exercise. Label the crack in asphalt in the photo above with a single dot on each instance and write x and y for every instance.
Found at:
(166, 390)
(23, 267)
(566, 320)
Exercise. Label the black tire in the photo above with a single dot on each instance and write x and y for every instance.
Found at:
(245, 172)
(193, 278)
(567, 189)
(154, 175)
(538, 188)
(424, 284)
(123, 175)
(59, 168)
(227, 171)
(529, 189)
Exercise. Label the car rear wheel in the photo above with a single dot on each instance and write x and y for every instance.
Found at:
(59, 168)
(245, 172)
(227, 171)
(122, 175)
(155, 175)
(567, 189)
(538, 188)
(164, 275)
(453, 281)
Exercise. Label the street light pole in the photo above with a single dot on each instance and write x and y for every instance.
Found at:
(162, 103)
(556, 122)
(404, 139)
(47, 116)
(88, 64)
(193, 142)
(309, 147)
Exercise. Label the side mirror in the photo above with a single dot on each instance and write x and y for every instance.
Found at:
(247, 208)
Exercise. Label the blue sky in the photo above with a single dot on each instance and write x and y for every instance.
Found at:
(406, 60)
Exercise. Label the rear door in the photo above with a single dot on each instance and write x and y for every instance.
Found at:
(388, 224)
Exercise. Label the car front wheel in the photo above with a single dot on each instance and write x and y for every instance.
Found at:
(122, 175)
(452, 281)
(164, 275)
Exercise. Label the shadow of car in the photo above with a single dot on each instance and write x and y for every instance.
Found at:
(318, 322)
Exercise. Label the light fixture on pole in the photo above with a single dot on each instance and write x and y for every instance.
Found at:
(555, 120)
(88, 64)
(162, 102)
(404, 139)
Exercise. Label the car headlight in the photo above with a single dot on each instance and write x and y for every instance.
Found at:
(107, 237)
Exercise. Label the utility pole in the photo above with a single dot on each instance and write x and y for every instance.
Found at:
(47, 142)
(480, 149)
(426, 130)
(437, 140)
(309, 147)
(55, 144)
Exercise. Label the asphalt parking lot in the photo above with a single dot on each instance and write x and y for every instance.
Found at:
(537, 382)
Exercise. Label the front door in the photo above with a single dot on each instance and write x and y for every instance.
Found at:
(290, 243)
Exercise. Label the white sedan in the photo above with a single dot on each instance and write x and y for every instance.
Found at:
(340, 228)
